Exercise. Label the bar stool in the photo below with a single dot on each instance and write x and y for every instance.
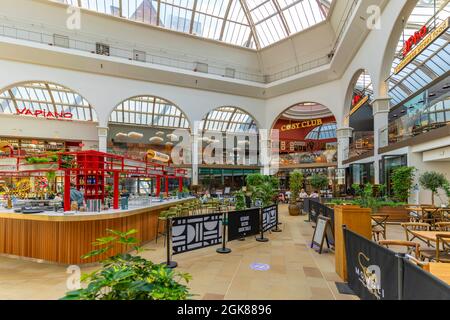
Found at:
(161, 218)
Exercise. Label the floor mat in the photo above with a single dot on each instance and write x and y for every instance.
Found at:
(343, 288)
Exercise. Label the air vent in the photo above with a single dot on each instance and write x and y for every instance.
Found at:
(60, 41)
(139, 55)
(201, 67)
(102, 49)
(229, 72)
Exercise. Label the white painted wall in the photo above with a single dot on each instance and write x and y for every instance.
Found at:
(424, 196)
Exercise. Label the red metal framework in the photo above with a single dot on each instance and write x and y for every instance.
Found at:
(89, 170)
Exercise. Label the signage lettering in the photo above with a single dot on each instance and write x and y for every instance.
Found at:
(414, 40)
(359, 105)
(302, 125)
(45, 114)
(429, 39)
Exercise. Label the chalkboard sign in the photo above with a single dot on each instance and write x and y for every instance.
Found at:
(243, 224)
(322, 232)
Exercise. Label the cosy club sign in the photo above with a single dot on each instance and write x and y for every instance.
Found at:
(45, 114)
(301, 125)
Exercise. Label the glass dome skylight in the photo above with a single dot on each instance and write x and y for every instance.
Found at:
(248, 23)
(324, 132)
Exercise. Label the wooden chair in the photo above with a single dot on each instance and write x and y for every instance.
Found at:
(379, 226)
(411, 247)
(442, 226)
(415, 226)
(444, 255)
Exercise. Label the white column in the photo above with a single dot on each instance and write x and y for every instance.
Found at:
(195, 157)
(381, 107)
(343, 137)
(102, 139)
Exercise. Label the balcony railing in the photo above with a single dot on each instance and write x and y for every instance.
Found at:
(123, 51)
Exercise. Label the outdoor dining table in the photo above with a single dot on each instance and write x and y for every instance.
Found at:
(429, 235)
(439, 270)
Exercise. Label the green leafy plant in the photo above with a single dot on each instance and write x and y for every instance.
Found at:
(129, 277)
(432, 181)
(318, 181)
(446, 188)
(295, 185)
(240, 200)
(402, 182)
(262, 188)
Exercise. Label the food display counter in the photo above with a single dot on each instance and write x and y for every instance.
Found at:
(64, 237)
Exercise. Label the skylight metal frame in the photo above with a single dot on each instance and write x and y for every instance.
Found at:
(48, 97)
(261, 27)
(149, 111)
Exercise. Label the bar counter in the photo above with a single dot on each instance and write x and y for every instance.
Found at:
(64, 237)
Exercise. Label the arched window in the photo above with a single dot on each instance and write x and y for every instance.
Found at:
(46, 97)
(229, 119)
(149, 111)
(324, 132)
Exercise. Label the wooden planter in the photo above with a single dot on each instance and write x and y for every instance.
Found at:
(396, 214)
(356, 219)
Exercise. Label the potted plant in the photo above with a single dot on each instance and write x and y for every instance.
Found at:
(318, 182)
(129, 277)
(432, 181)
(240, 200)
(263, 188)
(295, 185)
(402, 183)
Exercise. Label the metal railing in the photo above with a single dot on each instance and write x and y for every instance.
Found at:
(123, 51)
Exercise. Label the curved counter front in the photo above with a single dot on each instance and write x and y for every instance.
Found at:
(64, 238)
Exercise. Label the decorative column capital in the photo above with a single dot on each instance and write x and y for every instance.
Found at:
(102, 131)
(381, 105)
(345, 132)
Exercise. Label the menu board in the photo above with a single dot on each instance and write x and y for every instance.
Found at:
(243, 224)
(322, 232)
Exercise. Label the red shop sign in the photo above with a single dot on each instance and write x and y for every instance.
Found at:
(414, 40)
(45, 114)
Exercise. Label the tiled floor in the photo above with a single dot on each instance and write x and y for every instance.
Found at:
(296, 271)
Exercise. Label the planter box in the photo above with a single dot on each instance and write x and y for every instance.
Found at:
(396, 214)
(39, 166)
(356, 219)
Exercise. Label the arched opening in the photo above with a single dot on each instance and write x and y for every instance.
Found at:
(230, 148)
(360, 117)
(147, 127)
(307, 134)
(38, 101)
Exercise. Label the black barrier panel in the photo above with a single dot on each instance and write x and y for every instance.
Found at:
(243, 224)
(196, 232)
(372, 270)
(318, 209)
(269, 218)
(419, 284)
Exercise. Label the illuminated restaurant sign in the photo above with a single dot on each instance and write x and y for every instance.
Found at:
(429, 39)
(414, 40)
(45, 114)
(302, 125)
(359, 104)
